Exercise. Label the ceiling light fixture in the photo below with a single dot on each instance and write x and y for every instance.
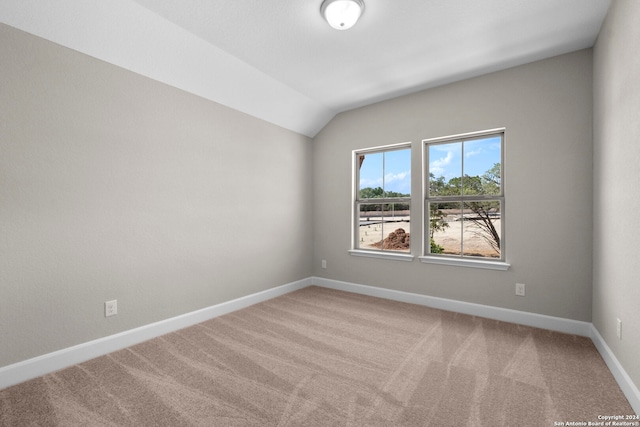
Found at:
(342, 14)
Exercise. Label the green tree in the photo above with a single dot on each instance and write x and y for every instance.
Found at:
(491, 180)
(484, 213)
(371, 193)
(437, 186)
(436, 219)
(435, 248)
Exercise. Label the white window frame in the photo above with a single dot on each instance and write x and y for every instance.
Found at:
(461, 260)
(356, 201)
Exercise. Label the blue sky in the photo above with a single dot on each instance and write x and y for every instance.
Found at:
(396, 173)
(392, 169)
(479, 156)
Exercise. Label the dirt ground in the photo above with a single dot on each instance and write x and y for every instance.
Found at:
(474, 244)
(371, 236)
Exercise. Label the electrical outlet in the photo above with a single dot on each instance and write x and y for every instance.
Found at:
(619, 328)
(324, 263)
(520, 289)
(111, 308)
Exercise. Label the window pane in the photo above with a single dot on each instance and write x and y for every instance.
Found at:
(481, 229)
(395, 228)
(482, 166)
(445, 169)
(444, 225)
(397, 173)
(371, 175)
(385, 174)
(462, 221)
(384, 227)
(370, 225)
(382, 223)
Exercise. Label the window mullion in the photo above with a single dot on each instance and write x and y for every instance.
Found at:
(478, 202)
(382, 161)
(462, 224)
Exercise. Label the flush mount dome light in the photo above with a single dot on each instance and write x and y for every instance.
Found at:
(342, 14)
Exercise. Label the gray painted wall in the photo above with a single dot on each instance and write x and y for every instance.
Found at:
(616, 270)
(114, 186)
(546, 108)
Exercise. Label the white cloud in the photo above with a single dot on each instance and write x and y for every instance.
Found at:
(393, 181)
(394, 177)
(473, 152)
(437, 167)
(373, 183)
(399, 181)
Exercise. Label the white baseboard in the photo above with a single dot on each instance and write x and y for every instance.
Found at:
(47, 363)
(624, 381)
(559, 324)
(41, 365)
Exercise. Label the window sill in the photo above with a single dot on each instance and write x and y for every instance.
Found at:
(382, 255)
(487, 265)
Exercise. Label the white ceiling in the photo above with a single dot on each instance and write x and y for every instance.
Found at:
(278, 60)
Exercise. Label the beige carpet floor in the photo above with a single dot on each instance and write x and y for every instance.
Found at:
(320, 357)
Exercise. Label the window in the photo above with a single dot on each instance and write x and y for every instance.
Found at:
(382, 202)
(464, 200)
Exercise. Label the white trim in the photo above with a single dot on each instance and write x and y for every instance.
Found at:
(629, 389)
(426, 257)
(466, 262)
(467, 135)
(47, 363)
(383, 148)
(383, 255)
(355, 196)
(542, 321)
(41, 365)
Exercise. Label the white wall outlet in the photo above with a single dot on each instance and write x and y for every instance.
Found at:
(520, 289)
(324, 263)
(111, 308)
(619, 328)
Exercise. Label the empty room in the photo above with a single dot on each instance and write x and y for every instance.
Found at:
(319, 213)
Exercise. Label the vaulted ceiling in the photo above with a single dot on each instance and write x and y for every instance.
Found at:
(278, 60)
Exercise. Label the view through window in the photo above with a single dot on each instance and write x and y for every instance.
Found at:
(383, 199)
(464, 206)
